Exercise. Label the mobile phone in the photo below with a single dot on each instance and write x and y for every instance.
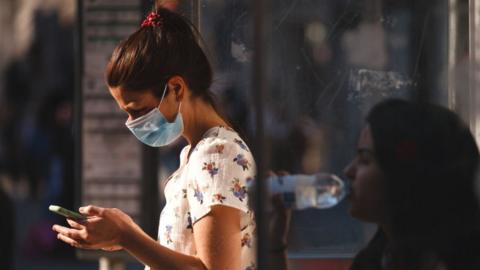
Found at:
(66, 213)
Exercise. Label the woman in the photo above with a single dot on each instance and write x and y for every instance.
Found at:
(160, 76)
(414, 176)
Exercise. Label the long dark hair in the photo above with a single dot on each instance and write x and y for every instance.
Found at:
(154, 53)
(429, 158)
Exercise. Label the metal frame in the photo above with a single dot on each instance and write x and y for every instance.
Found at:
(195, 15)
(463, 23)
(474, 66)
(78, 104)
(452, 51)
(261, 84)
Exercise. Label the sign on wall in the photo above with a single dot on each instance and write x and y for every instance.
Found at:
(111, 168)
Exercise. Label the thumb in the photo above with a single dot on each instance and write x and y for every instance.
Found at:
(91, 210)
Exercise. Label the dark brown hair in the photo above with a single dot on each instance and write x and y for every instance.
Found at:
(153, 54)
(430, 159)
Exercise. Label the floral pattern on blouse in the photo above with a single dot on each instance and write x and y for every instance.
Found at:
(241, 144)
(210, 167)
(220, 148)
(242, 161)
(198, 194)
(251, 267)
(168, 231)
(189, 221)
(247, 240)
(215, 173)
(218, 198)
(238, 190)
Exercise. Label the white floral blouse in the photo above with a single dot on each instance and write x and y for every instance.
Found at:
(216, 173)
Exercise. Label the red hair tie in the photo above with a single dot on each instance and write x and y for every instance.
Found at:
(153, 19)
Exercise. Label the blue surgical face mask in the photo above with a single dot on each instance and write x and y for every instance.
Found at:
(153, 128)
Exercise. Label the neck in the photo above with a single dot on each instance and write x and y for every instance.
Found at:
(198, 118)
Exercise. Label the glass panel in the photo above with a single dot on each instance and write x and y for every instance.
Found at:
(331, 60)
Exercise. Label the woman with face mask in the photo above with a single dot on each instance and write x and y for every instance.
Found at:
(161, 77)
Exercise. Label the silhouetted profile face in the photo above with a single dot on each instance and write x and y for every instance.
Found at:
(368, 182)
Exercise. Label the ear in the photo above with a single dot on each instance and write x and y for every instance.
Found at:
(179, 87)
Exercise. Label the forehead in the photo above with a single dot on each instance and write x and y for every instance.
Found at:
(125, 97)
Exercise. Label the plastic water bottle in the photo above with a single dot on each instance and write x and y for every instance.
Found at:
(300, 191)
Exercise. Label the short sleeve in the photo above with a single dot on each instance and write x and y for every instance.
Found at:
(218, 171)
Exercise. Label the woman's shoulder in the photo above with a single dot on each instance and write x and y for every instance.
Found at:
(220, 140)
(184, 153)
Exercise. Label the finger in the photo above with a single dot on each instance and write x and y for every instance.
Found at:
(70, 233)
(283, 173)
(69, 240)
(91, 210)
(278, 204)
(74, 243)
(75, 224)
(112, 248)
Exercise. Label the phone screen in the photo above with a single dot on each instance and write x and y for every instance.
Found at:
(66, 213)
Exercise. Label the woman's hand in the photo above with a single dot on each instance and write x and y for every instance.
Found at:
(104, 228)
(279, 223)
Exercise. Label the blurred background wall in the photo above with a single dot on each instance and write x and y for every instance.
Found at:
(36, 146)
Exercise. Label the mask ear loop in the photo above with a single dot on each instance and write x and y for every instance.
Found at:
(163, 95)
(179, 106)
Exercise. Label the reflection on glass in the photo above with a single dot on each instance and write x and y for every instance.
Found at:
(321, 190)
(330, 61)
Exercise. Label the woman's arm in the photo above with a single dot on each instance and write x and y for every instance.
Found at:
(217, 238)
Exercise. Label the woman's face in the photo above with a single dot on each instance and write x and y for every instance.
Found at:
(138, 103)
(368, 182)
